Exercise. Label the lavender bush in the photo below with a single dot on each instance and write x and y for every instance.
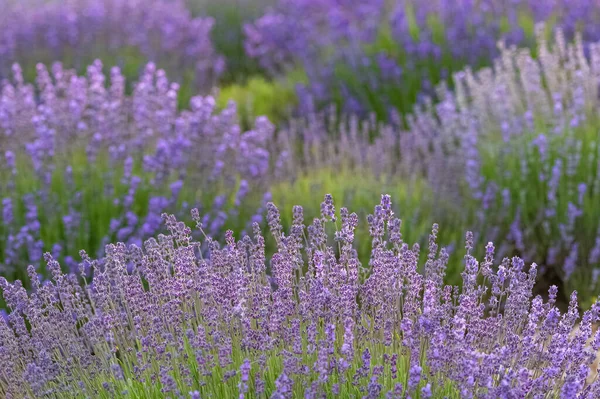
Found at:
(523, 139)
(83, 164)
(414, 199)
(311, 321)
(380, 55)
(126, 32)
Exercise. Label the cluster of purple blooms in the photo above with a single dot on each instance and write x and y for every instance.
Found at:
(162, 31)
(134, 154)
(382, 44)
(307, 321)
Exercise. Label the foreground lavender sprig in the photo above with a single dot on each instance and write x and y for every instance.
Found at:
(164, 320)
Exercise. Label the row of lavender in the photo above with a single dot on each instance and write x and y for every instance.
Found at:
(165, 321)
(381, 55)
(85, 165)
(126, 31)
(353, 53)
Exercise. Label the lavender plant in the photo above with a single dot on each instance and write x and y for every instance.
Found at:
(382, 55)
(311, 320)
(84, 164)
(523, 139)
(227, 35)
(414, 199)
(125, 32)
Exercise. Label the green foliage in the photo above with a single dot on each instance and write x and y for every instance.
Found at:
(518, 168)
(274, 99)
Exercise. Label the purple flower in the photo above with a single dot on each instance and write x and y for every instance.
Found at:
(414, 377)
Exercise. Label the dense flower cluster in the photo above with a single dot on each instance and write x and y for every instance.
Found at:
(83, 164)
(362, 52)
(311, 319)
(162, 31)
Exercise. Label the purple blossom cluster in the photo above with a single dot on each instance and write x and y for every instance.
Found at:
(359, 50)
(308, 321)
(80, 158)
(162, 31)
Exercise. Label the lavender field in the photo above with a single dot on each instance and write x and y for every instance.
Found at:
(300, 199)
